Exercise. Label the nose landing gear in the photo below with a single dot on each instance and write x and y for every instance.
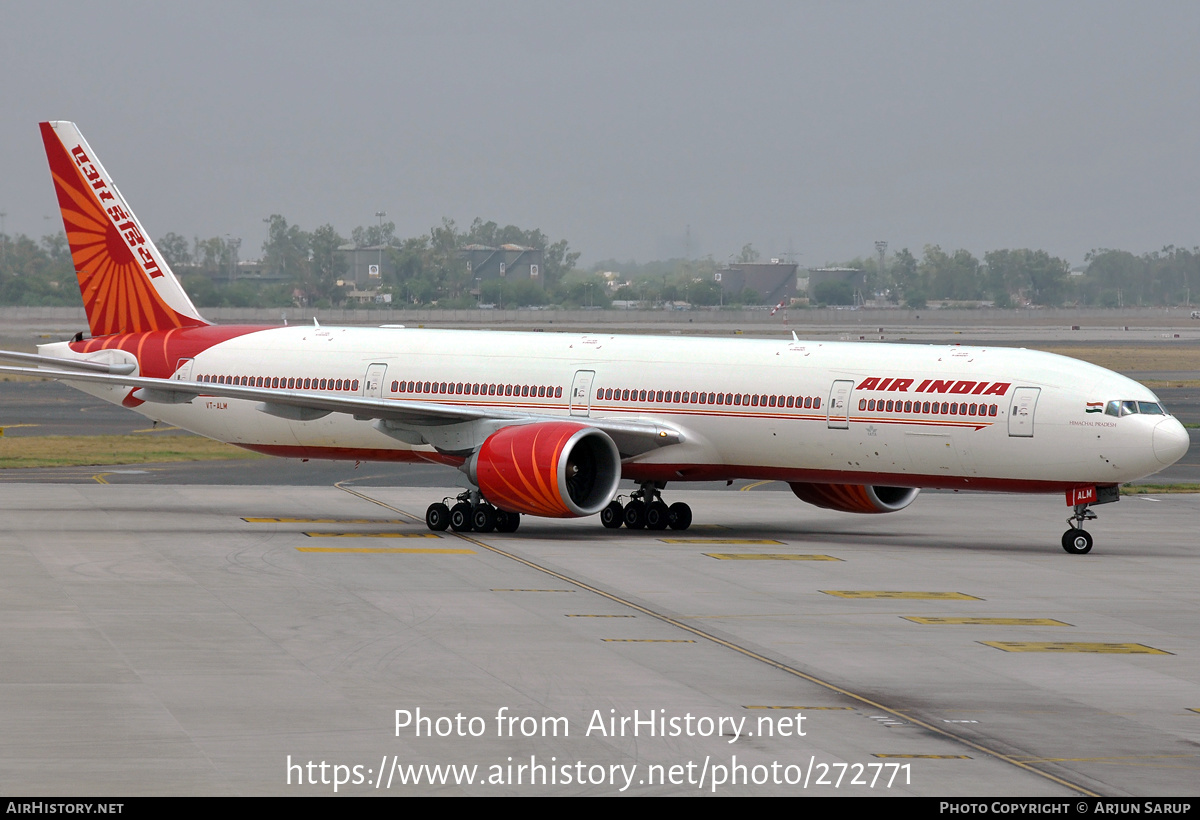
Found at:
(1077, 540)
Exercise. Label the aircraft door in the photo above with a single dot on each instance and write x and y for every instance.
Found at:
(373, 381)
(1020, 412)
(183, 370)
(839, 405)
(581, 392)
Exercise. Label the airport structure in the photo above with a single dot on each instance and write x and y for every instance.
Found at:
(509, 261)
(774, 280)
(856, 278)
(366, 265)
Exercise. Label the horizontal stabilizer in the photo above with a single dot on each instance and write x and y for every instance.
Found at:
(117, 368)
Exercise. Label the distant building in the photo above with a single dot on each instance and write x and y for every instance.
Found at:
(367, 266)
(507, 261)
(856, 277)
(252, 270)
(775, 281)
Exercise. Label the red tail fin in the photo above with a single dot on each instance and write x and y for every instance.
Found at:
(126, 283)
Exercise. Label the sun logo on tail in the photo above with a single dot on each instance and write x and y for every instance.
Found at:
(126, 285)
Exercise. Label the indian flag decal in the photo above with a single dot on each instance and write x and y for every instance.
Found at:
(1095, 407)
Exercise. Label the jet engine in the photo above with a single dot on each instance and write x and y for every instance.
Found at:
(552, 469)
(855, 498)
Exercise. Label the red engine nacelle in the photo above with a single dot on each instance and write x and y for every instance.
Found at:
(554, 469)
(855, 498)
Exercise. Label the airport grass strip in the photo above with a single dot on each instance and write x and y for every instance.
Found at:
(1156, 489)
(1168, 355)
(79, 451)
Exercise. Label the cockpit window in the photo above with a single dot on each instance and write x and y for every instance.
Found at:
(1130, 408)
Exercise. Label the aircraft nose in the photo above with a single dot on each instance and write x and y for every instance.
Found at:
(1170, 441)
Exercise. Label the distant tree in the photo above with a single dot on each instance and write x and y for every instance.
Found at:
(706, 292)
(372, 235)
(214, 255)
(326, 265)
(287, 249)
(748, 254)
(1113, 278)
(174, 249)
(517, 293)
(585, 291)
(37, 273)
(947, 276)
(1024, 273)
(903, 274)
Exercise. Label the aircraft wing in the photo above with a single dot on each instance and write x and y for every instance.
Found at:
(447, 427)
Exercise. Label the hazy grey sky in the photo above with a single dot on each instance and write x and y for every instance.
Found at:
(816, 126)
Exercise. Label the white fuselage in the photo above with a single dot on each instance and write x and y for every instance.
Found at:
(902, 415)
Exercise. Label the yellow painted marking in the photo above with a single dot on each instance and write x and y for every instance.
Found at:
(768, 556)
(721, 541)
(928, 757)
(13, 427)
(1104, 759)
(917, 619)
(372, 535)
(601, 616)
(395, 550)
(908, 596)
(155, 429)
(501, 589)
(99, 478)
(646, 640)
(1193, 709)
(807, 708)
(741, 650)
(325, 521)
(1061, 646)
(755, 484)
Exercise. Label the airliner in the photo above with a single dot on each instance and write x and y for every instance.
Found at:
(548, 424)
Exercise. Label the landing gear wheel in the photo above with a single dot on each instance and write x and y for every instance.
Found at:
(613, 516)
(507, 521)
(437, 517)
(657, 516)
(679, 515)
(460, 517)
(635, 515)
(484, 519)
(1077, 541)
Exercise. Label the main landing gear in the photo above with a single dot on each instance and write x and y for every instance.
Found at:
(647, 510)
(470, 513)
(1077, 540)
